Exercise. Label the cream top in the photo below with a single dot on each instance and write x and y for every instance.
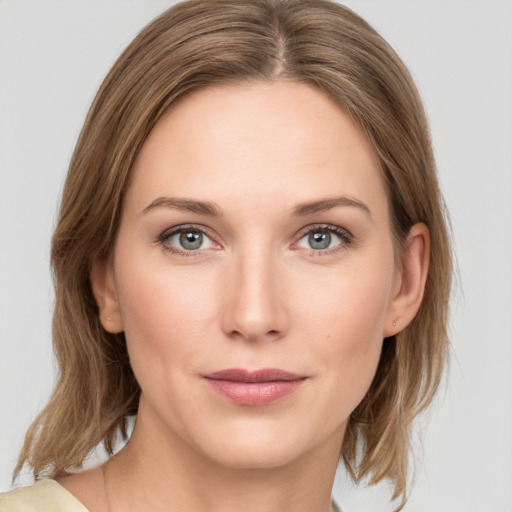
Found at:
(43, 496)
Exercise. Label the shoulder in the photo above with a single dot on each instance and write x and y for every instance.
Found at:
(43, 496)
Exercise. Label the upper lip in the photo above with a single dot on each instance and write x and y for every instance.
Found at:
(262, 375)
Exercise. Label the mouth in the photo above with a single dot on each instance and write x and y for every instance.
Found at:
(256, 388)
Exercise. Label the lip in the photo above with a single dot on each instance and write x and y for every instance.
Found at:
(254, 388)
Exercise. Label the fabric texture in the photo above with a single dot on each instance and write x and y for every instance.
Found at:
(50, 496)
(43, 496)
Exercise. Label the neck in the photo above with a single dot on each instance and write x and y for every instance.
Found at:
(159, 471)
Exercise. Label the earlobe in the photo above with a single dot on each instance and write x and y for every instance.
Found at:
(410, 288)
(104, 291)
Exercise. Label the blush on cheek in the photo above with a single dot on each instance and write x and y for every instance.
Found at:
(351, 346)
(143, 319)
(165, 316)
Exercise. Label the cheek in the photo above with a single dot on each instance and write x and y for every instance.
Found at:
(345, 319)
(166, 318)
(349, 307)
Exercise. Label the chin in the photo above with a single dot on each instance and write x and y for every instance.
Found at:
(261, 446)
(261, 456)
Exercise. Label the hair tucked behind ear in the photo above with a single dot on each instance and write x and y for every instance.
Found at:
(194, 45)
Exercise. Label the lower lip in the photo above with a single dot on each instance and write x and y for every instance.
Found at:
(255, 393)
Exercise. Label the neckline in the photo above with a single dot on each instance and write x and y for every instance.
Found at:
(70, 498)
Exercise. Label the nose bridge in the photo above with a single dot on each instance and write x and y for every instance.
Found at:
(256, 308)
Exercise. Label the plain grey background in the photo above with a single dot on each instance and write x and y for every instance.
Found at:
(53, 56)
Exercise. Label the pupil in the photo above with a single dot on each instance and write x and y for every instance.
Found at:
(191, 240)
(319, 240)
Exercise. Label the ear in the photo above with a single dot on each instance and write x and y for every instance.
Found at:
(104, 291)
(410, 281)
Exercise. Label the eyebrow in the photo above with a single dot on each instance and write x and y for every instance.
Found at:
(328, 203)
(185, 205)
(212, 210)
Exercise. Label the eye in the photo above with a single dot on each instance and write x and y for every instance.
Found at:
(185, 240)
(326, 239)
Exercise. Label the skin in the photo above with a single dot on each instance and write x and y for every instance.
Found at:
(256, 294)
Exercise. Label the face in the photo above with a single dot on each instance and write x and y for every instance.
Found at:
(253, 272)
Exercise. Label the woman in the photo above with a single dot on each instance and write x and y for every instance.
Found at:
(251, 256)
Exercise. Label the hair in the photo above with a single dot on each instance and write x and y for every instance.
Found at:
(197, 44)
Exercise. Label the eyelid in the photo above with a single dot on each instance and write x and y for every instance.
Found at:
(343, 234)
(183, 227)
(169, 232)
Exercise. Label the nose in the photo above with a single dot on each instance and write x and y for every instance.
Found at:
(255, 306)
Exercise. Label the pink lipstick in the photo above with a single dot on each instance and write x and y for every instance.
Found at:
(261, 387)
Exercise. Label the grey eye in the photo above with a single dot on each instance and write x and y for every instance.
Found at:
(189, 239)
(319, 240)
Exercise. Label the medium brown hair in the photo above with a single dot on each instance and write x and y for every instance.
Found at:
(194, 45)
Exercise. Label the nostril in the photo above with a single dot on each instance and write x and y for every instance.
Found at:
(269, 335)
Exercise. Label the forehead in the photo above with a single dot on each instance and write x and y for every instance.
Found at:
(283, 141)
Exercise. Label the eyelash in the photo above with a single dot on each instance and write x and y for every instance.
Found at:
(345, 236)
(164, 237)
